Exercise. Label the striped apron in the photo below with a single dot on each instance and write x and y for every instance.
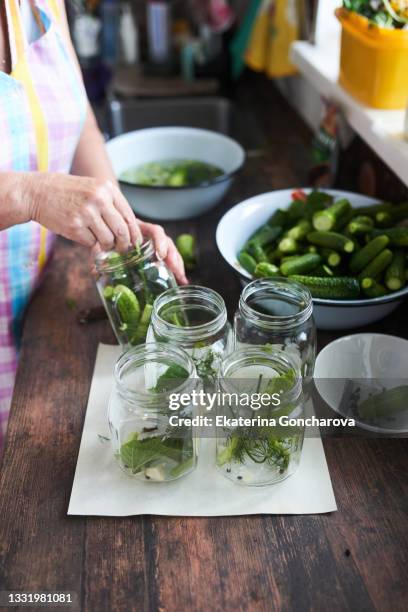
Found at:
(42, 111)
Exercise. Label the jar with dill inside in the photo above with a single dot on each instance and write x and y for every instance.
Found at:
(194, 318)
(278, 314)
(128, 285)
(145, 443)
(259, 433)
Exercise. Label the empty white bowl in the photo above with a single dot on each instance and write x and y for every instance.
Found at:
(245, 218)
(156, 144)
(378, 359)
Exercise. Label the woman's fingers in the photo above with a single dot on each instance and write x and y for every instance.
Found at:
(159, 237)
(85, 237)
(175, 263)
(103, 234)
(123, 207)
(118, 227)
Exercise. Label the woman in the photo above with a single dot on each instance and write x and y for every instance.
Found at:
(47, 130)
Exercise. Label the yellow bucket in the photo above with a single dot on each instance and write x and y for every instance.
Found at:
(374, 62)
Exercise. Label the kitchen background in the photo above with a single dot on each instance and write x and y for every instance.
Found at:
(143, 62)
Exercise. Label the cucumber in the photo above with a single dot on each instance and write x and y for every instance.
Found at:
(377, 265)
(388, 403)
(186, 245)
(247, 261)
(300, 230)
(266, 269)
(372, 289)
(332, 257)
(327, 219)
(331, 240)
(363, 257)
(288, 245)
(264, 235)
(395, 273)
(300, 265)
(373, 209)
(127, 305)
(360, 225)
(400, 211)
(335, 288)
(383, 218)
(257, 252)
(141, 330)
(109, 292)
(279, 218)
(398, 236)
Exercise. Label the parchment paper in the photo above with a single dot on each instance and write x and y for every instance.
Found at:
(100, 488)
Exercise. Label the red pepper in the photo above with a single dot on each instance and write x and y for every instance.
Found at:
(299, 194)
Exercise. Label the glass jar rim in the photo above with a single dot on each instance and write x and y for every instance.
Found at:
(138, 356)
(141, 252)
(254, 355)
(277, 285)
(193, 332)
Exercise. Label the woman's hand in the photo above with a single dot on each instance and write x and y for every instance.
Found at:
(94, 213)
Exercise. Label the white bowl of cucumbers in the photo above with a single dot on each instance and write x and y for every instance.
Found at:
(348, 249)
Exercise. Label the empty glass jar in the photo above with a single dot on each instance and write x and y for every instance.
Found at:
(128, 285)
(256, 444)
(194, 318)
(144, 441)
(277, 314)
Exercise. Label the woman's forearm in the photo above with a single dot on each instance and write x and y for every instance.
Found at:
(14, 207)
(90, 156)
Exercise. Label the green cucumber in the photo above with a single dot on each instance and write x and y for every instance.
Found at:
(327, 219)
(288, 245)
(300, 265)
(257, 252)
(266, 269)
(127, 305)
(384, 218)
(186, 245)
(333, 258)
(400, 211)
(331, 240)
(264, 235)
(377, 265)
(363, 257)
(360, 225)
(141, 330)
(335, 288)
(300, 230)
(279, 218)
(372, 289)
(398, 236)
(395, 273)
(247, 261)
(372, 209)
(387, 403)
(109, 292)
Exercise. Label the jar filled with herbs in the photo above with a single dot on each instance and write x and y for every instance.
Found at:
(194, 318)
(128, 285)
(145, 443)
(260, 425)
(278, 314)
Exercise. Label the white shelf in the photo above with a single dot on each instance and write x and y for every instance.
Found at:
(382, 130)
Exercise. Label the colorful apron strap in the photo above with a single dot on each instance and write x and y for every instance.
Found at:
(21, 72)
(55, 9)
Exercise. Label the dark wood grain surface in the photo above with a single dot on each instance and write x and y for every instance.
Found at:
(353, 559)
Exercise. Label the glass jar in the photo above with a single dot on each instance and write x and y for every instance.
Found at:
(144, 441)
(277, 314)
(255, 442)
(194, 318)
(128, 285)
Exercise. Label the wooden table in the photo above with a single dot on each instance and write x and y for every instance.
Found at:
(353, 559)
